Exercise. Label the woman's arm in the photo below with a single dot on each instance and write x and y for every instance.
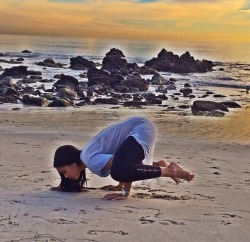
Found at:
(120, 196)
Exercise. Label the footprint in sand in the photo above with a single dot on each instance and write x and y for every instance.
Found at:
(61, 221)
(230, 219)
(154, 217)
(94, 232)
(160, 196)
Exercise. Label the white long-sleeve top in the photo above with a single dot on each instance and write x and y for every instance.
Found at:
(98, 151)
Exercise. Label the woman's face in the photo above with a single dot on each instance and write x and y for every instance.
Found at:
(70, 171)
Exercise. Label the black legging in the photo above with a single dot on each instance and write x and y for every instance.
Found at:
(127, 163)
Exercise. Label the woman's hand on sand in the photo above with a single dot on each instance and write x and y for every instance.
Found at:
(112, 188)
(115, 196)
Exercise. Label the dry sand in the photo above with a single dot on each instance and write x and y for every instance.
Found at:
(214, 207)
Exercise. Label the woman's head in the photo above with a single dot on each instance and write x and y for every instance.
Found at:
(67, 161)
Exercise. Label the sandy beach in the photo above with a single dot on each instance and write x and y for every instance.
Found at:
(214, 207)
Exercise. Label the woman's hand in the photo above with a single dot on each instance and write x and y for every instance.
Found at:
(115, 196)
(113, 188)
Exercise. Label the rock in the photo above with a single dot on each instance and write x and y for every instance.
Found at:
(20, 59)
(67, 81)
(102, 77)
(26, 51)
(155, 101)
(121, 89)
(231, 104)
(8, 99)
(146, 70)
(50, 63)
(135, 104)
(80, 63)
(124, 71)
(186, 91)
(59, 103)
(16, 71)
(158, 79)
(34, 101)
(183, 106)
(139, 83)
(6, 81)
(169, 62)
(29, 90)
(187, 85)
(133, 67)
(113, 62)
(114, 101)
(66, 92)
(208, 108)
(35, 73)
(28, 81)
(115, 52)
(10, 91)
(219, 96)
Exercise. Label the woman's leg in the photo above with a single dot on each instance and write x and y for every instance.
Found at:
(127, 163)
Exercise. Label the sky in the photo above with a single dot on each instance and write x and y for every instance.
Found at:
(190, 20)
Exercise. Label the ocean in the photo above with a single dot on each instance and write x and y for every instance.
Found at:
(234, 58)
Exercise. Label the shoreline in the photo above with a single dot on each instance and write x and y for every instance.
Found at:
(233, 127)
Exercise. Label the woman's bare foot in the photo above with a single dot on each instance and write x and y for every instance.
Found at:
(175, 171)
(163, 163)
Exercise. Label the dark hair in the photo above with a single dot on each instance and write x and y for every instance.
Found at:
(66, 155)
(71, 185)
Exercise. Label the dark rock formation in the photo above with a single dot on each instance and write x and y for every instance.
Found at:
(114, 59)
(66, 92)
(80, 63)
(60, 103)
(231, 104)
(16, 71)
(6, 81)
(102, 77)
(169, 62)
(139, 83)
(50, 63)
(114, 101)
(67, 81)
(115, 52)
(34, 101)
(186, 91)
(26, 51)
(208, 108)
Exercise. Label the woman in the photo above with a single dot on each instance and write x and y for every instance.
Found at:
(125, 151)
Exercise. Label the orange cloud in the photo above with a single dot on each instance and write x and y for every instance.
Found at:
(207, 20)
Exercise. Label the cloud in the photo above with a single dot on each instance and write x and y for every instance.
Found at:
(147, 1)
(167, 19)
(246, 6)
(68, 1)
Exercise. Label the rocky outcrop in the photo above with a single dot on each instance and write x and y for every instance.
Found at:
(114, 59)
(67, 81)
(208, 108)
(169, 62)
(16, 71)
(80, 63)
(60, 103)
(66, 92)
(50, 63)
(103, 77)
(35, 101)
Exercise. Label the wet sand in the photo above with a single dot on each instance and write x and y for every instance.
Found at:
(214, 207)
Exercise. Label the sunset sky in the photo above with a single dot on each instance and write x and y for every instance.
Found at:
(210, 20)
